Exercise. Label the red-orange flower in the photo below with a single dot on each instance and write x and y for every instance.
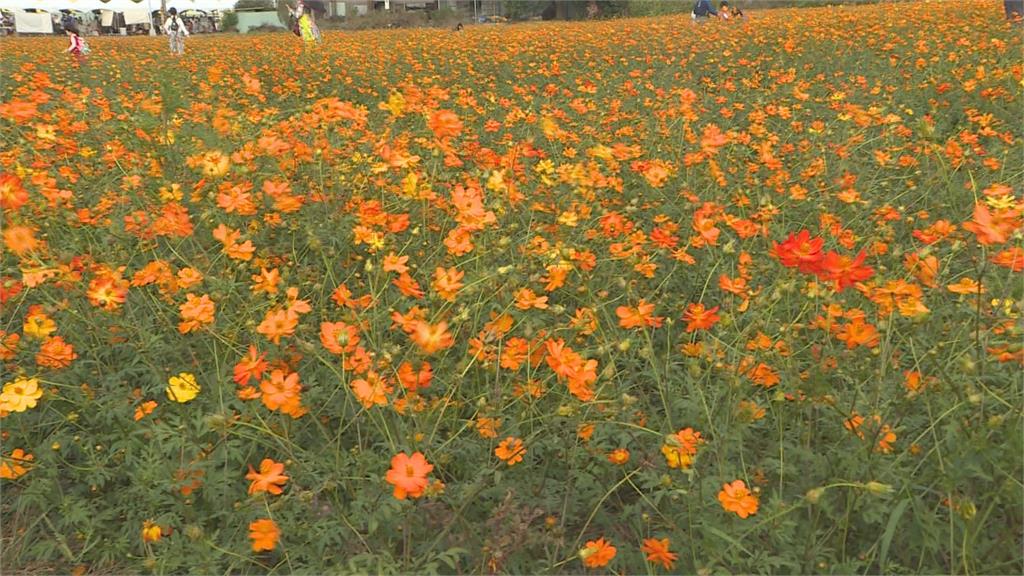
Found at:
(56, 353)
(264, 534)
(268, 479)
(408, 474)
(445, 124)
(735, 497)
(371, 391)
(20, 239)
(432, 338)
(12, 194)
(597, 553)
(843, 270)
(17, 464)
(511, 450)
(697, 317)
(251, 366)
(195, 312)
(658, 552)
(618, 456)
(448, 282)
(992, 228)
(800, 251)
(281, 392)
(339, 337)
(107, 291)
(638, 317)
(278, 324)
(412, 380)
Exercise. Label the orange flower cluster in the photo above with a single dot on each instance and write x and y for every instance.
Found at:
(811, 224)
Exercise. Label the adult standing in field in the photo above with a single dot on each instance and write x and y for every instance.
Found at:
(307, 27)
(702, 10)
(176, 32)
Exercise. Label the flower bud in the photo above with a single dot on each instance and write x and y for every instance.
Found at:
(878, 489)
(814, 494)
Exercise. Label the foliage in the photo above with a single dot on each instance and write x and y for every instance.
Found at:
(229, 21)
(615, 296)
(242, 5)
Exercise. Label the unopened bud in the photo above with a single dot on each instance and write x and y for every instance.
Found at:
(814, 494)
(878, 489)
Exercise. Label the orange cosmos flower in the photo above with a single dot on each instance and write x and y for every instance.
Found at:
(339, 337)
(1012, 258)
(20, 239)
(680, 448)
(966, 286)
(371, 391)
(638, 317)
(657, 552)
(107, 291)
(55, 353)
(736, 498)
(408, 286)
(195, 312)
(459, 241)
(277, 324)
(488, 427)
(281, 392)
(526, 299)
(268, 479)
(432, 338)
(445, 124)
(412, 380)
(12, 194)
(408, 474)
(619, 456)
(8, 344)
(16, 465)
(843, 270)
(511, 450)
(264, 534)
(251, 366)
(699, 318)
(145, 409)
(447, 283)
(799, 251)
(188, 277)
(597, 553)
(395, 263)
(858, 333)
(992, 228)
(266, 281)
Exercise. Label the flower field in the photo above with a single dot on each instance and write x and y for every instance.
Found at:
(634, 296)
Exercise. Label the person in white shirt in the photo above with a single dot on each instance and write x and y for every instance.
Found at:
(176, 32)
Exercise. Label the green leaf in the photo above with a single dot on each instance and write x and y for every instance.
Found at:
(890, 531)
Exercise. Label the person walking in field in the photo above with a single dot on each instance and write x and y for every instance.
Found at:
(307, 27)
(176, 32)
(77, 47)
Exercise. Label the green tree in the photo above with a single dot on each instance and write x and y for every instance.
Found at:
(242, 5)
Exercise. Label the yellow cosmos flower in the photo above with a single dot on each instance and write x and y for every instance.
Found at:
(20, 395)
(182, 388)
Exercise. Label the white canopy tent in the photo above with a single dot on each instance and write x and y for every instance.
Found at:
(115, 5)
(132, 11)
